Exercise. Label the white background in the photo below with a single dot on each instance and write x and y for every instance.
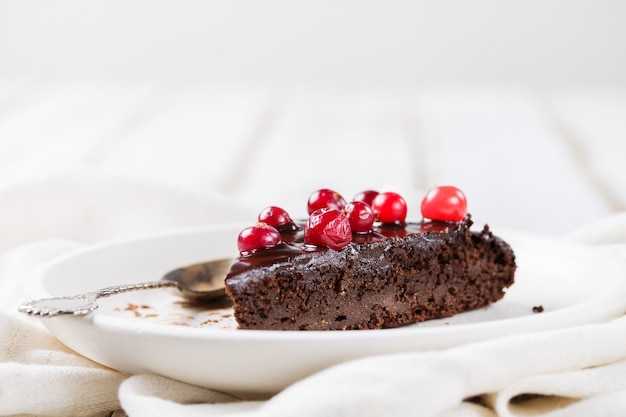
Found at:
(536, 42)
(522, 104)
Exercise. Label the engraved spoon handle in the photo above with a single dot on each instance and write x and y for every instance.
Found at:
(82, 304)
(119, 289)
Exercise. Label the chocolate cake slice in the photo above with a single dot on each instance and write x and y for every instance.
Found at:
(396, 274)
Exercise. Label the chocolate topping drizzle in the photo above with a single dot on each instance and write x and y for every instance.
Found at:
(293, 243)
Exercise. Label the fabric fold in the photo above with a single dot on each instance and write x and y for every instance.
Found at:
(40, 376)
(435, 383)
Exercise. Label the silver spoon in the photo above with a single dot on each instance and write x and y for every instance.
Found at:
(198, 282)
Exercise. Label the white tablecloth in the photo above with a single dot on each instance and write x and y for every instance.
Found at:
(82, 163)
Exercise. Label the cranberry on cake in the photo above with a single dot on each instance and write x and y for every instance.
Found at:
(361, 265)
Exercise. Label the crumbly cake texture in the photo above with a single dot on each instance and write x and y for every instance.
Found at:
(376, 285)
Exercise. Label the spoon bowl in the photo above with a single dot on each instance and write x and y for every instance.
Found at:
(199, 282)
(203, 281)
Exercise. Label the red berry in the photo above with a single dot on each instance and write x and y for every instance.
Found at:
(445, 203)
(366, 196)
(274, 216)
(389, 207)
(360, 215)
(328, 227)
(325, 198)
(257, 237)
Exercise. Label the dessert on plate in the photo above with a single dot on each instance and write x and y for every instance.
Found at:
(361, 265)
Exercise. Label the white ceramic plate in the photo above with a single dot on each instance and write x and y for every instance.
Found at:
(155, 331)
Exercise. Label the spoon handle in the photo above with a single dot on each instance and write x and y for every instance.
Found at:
(82, 304)
(119, 289)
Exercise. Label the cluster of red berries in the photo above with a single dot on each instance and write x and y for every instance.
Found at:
(332, 220)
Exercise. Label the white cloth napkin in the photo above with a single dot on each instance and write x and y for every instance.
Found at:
(578, 371)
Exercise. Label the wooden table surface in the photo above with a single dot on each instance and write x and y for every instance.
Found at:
(544, 161)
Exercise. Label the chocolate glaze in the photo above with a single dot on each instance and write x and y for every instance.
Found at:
(293, 241)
